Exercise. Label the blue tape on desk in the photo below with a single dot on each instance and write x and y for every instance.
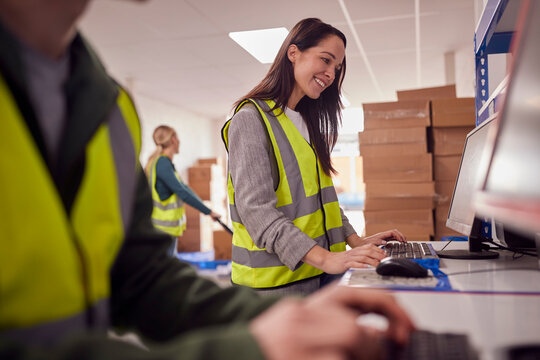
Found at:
(454, 238)
(444, 283)
(368, 277)
(428, 263)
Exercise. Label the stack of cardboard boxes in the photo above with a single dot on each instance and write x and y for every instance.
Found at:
(207, 179)
(397, 168)
(451, 119)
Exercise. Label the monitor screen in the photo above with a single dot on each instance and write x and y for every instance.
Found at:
(511, 189)
(471, 172)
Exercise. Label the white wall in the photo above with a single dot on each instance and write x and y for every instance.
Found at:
(199, 137)
(465, 71)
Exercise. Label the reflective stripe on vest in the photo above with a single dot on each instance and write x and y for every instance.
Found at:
(305, 194)
(168, 215)
(54, 265)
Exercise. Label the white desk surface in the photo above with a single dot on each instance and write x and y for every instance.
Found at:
(496, 309)
(498, 276)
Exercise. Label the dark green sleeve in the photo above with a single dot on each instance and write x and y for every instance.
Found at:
(161, 297)
(226, 342)
(165, 173)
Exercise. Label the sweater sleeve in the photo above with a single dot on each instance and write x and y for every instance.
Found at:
(347, 227)
(250, 165)
(165, 172)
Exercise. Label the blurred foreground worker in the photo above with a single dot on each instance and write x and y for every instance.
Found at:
(78, 252)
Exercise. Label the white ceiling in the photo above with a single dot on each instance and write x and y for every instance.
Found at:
(179, 51)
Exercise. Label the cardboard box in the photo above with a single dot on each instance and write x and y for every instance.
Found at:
(199, 173)
(446, 167)
(405, 228)
(399, 196)
(444, 191)
(202, 189)
(441, 212)
(397, 203)
(409, 222)
(198, 234)
(424, 238)
(193, 217)
(219, 166)
(213, 191)
(447, 91)
(453, 112)
(404, 168)
(211, 161)
(222, 245)
(448, 141)
(392, 136)
(393, 149)
(413, 113)
(190, 241)
(401, 190)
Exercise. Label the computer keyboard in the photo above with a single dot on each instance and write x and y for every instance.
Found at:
(410, 250)
(422, 253)
(427, 345)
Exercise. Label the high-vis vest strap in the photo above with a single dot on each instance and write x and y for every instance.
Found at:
(58, 260)
(305, 195)
(168, 215)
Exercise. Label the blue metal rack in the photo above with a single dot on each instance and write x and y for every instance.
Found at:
(493, 36)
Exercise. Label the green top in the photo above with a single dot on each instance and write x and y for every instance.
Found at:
(177, 313)
(167, 184)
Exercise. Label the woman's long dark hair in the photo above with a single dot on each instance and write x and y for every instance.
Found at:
(322, 115)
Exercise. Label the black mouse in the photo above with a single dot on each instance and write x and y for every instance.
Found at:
(392, 266)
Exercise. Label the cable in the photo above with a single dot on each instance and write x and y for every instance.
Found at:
(448, 243)
(515, 251)
(485, 270)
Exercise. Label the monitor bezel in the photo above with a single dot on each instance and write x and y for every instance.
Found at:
(460, 227)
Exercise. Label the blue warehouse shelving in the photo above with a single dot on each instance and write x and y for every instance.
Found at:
(493, 35)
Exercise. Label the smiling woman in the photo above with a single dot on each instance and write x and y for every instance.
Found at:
(315, 68)
(289, 231)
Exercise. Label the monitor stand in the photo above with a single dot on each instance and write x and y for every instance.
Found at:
(477, 249)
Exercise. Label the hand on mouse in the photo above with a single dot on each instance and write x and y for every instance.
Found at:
(378, 239)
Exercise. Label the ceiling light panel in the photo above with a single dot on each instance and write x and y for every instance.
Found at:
(262, 44)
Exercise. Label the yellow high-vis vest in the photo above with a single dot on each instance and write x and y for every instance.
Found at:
(54, 265)
(305, 194)
(168, 215)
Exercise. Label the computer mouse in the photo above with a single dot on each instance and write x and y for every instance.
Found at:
(392, 266)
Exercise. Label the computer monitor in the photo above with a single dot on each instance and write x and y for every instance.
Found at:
(510, 192)
(461, 216)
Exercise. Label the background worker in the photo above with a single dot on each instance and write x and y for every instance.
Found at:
(289, 231)
(78, 252)
(169, 192)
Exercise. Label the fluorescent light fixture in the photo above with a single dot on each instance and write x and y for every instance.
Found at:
(263, 44)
